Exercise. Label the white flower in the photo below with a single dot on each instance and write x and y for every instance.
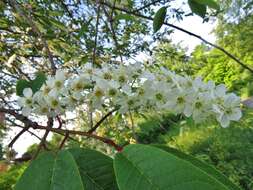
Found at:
(53, 102)
(88, 70)
(201, 107)
(179, 101)
(97, 97)
(41, 107)
(127, 103)
(58, 81)
(229, 110)
(26, 102)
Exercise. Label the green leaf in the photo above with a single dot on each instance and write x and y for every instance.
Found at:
(21, 85)
(126, 17)
(38, 81)
(201, 165)
(159, 18)
(140, 167)
(96, 169)
(58, 24)
(210, 3)
(197, 8)
(51, 172)
(35, 84)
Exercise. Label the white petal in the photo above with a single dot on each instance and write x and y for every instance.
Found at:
(21, 102)
(27, 92)
(127, 89)
(224, 121)
(188, 110)
(236, 114)
(220, 90)
(60, 75)
(26, 111)
(231, 100)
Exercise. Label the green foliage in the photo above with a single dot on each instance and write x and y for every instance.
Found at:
(136, 167)
(228, 150)
(10, 177)
(51, 172)
(95, 168)
(21, 85)
(199, 164)
(154, 168)
(197, 8)
(210, 3)
(69, 169)
(153, 126)
(159, 18)
(35, 84)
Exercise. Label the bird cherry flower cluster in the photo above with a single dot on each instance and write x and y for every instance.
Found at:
(132, 87)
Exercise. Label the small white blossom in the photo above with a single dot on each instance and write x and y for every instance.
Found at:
(26, 102)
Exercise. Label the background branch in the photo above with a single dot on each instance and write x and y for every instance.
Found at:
(182, 30)
(29, 20)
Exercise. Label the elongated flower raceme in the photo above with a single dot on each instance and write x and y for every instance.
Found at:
(133, 87)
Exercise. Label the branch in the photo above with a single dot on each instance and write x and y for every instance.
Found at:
(64, 140)
(101, 121)
(16, 6)
(81, 133)
(59, 121)
(17, 125)
(17, 136)
(182, 30)
(111, 27)
(35, 125)
(50, 123)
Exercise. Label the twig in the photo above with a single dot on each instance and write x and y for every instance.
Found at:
(17, 125)
(90, 116)
(114, 37)
(132, 126)
(147, 5)
(59, 121)
(17, 136)
(64, 140)
(44, 138)
(96, 36)
(101, 121)
(182, 30)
